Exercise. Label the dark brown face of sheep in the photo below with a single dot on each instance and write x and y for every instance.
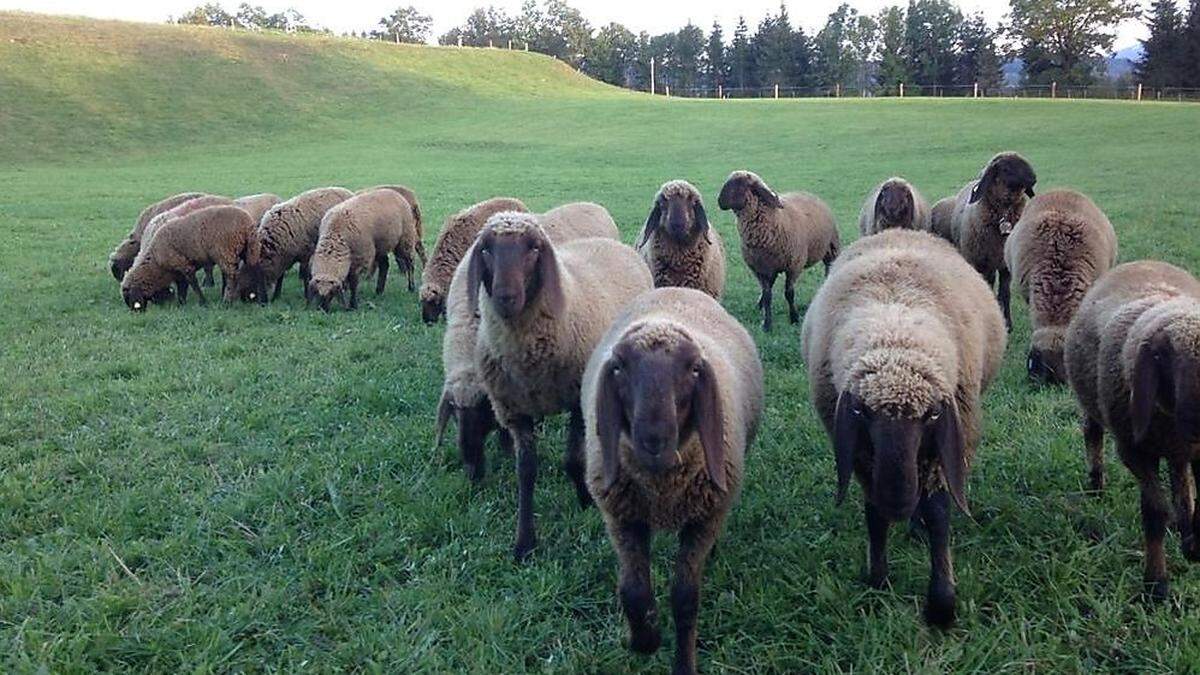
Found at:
(324, 291)
(736, 192)
(515, 269)
(251, 284)
(1046, 366)
(894, 448)
(1165, 379)
(1004, 181)
(681, 215)
(433, 306)
(894, 206)
(659, 397)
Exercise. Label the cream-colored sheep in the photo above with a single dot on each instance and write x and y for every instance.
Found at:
(679, 246)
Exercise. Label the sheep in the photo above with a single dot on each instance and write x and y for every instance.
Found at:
(941, 219)
(179, 211)
(1058, 249)
(985, 211)
(679, 246)
(220, 235)
(576, 215)
(121, 259)
(287, 234)
(419, 223)
(257, 205)
(462, 393)
(542, 309)
(900, 342)
(672, 398)
(894, 203)
(784, 234)
(457, 235)
(355, 239)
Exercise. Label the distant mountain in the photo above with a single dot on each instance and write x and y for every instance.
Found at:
(1120, 64)
(1132, 53)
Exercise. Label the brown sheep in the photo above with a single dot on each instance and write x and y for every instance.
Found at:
(121, 259)
(679, 246)
(893, 203)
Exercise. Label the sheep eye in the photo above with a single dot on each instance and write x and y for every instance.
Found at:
(696, 371)
(934, 416)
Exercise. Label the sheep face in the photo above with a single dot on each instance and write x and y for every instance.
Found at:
(659, 392)
(1046, 365)
(894, 205)
(122, 259)
(1166, 380)
(250, 285)
(516, 266)
(679, 210)
(433, 304)
(324, 291)
(740, 187)
(135, 299)
(1006, 179)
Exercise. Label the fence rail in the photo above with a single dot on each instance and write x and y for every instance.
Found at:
(1092, 92)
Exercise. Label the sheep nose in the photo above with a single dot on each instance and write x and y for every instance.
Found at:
(507, 303)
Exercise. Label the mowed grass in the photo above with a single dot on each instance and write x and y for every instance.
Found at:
(230, 488)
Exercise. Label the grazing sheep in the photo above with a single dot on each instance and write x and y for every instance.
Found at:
(894, 203)
(462, 393)
(1133, 359)
(288, 234)
(985, 212)
(121, 259)
(672, 398)
(1058, 249)
(900, 342)
(257, 205)
(419, 223)
(179, 211)
(220, 235)
(784, 234)
(456, 237)
(355, 239)
(679, 246)
(542, 311)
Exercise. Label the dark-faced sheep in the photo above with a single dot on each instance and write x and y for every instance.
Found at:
(678, 244)
(121, 259)
(780, 235)
(672, 397)
(900, 342)
(1058, 249)
(894, 203)
(543, 307)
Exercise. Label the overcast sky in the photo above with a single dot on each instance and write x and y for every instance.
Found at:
(654, 16)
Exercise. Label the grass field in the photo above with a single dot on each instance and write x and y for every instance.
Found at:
(231, 488)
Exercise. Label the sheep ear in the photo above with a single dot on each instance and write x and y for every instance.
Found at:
(445, 407)
(1029, 192)
(551, 280)
(983, 184)
(610, 418)
(1143, 394)
(701, 217)
(723, 199)
(846, 437)
(475, 276)
(652, 222)
(767, 195)
(948, 434)
(710, 422)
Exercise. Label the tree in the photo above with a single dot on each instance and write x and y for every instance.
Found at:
(406, 24)
(1190, 51)
(209, 14)
(741, 56)
(1066, 40)
(930, 32)
(716, 66)
(1162, 52)
(486, 26)
(249, 16)
(978, 59)
(773, 49)
(892, 58)
(614, 55)
(689, 50)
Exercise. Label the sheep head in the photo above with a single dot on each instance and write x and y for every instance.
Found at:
(324, 291)
(679, 210)
(895, 204)
(122, 258)
(1046, 362)
(743, 186)
(1005, 180)
(515, 262)
(1166, 377)
(658, 389)
(433, 303)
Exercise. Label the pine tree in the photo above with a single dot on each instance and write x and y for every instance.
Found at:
(689, 50)
(1162, 51)
(741, 56)
(1189, 66)
(978, 59)
(892, 69)
(716, 66)
(773, 49)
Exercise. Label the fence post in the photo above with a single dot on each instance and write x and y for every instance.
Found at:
(720, 91)
(667, 89)
(526, 46)
(459, 40)
(651, 76)
(837, 90)
(777, 91)
(1139, 91)
(397, 38)
(510, 44)
(1053, 90)
(490, 45)
(901, 90)
(976, 94)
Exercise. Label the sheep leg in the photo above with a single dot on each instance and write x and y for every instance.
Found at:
(941, 598)
(1093, 439)
(404, 261)
(1195, 557)
(505, 440)
(877, 557)
(279, 287)
(574, 462)
(767, 281)
(789, 293)
(695, 542)
(181, 286)
(352, 282)
(208, 277)
(1155, 515)
(527, 468)
(632, 541)
(191, 278)
(381, 280)
(1185, 506)
(305, 278)
(1004, 296)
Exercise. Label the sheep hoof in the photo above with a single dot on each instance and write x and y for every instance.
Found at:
(940, 610)
(1191, 549)
(1097, 483)
(585, 497)
(1158, 591)
(878, 579)
(475, 472)
(524, 549)
(645, 641)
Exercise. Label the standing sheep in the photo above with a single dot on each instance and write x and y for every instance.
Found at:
(785, 234)
(672, 397)
(257, 205)
(985, 212)
(900, 342)
(679, 246)
(121, 259)
(418, 222)
(355, 239)
(894, 203)
(941, 219)
(1058, 249)
(453, 242)
(542, 311)
(1133, 359)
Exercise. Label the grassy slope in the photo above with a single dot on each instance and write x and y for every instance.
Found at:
(234, 487)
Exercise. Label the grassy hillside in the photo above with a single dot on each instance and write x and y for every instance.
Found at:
(231, 488)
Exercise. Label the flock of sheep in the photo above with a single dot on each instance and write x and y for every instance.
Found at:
(551, 313)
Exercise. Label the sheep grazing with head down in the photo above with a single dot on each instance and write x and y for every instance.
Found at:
(678, 244)
(894, 203)
(1058, 249)
(453, 242)
(463, 397)
(985, 212)
(780, 235)
(672, 396)
(543, 307)
(183, 209)
(1133, 360)
(257, 205)
(355, 239)
(121, 259)
(900, 342)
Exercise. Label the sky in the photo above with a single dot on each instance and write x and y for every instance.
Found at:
(653, 16)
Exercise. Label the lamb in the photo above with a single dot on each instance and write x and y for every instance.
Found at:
(900, 342)
(419, 224)
(257, 205)
(1133, 360)
(784, 234)
(456, 237)
(679, 246)
(121, 259)
(287, 234)
(220, 235)
(1060, 246)
(462, 394)
(894, 203)
(542, 311)
(672, 398)
(985, 211)
(355, 239)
